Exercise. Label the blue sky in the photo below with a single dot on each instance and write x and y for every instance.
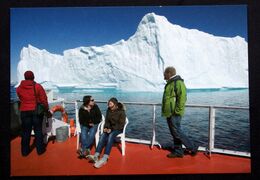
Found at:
(58, 29)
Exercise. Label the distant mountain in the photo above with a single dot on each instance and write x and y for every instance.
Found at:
(137, 64)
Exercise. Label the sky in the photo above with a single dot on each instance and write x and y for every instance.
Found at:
(58, 29)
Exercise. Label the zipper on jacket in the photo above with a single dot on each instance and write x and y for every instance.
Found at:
(171, 106)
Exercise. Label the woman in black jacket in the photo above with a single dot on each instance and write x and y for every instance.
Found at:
(89, 118)
(114, 125)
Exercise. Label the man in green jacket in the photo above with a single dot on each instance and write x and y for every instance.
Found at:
(173, 107)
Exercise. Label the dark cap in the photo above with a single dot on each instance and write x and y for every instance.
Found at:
(28, 75)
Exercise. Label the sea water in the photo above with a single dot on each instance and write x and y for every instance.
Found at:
(232, 128)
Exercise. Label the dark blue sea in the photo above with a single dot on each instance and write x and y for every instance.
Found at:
(232, 130)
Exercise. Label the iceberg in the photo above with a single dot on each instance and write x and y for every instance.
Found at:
(137, 64)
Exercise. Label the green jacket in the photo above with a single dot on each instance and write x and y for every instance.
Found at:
(174, 104)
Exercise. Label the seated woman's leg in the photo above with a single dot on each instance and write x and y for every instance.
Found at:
(111, 140)
(101, 144)
(91, 136)
(83, 138)
(102, 141)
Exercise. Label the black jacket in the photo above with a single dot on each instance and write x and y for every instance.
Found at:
(115, 120)
(94, 116)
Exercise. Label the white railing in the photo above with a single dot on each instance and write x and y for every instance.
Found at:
(211, 129)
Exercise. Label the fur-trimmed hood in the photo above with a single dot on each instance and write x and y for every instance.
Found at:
(121, 106)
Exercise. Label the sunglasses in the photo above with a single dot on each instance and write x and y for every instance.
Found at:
(92, 100)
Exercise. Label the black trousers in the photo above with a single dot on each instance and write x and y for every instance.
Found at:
(31, 120)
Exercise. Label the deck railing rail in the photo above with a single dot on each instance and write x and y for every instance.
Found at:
(211, 127)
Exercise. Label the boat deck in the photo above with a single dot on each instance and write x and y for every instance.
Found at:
(61, 159)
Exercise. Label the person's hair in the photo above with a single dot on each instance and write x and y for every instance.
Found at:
(114, 100)
(28, 75)
(86, 100)
(170, 70)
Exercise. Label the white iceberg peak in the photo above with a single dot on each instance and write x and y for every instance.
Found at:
(153, 18)
(137, 64)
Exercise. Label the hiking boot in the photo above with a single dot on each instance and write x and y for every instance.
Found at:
(25, 154)
(92, 158)
(100, 163)
(83, 154)
(191, 152)
(79, 152)
(174, 155)
(42, 151)
(194, 152)
(186, 152)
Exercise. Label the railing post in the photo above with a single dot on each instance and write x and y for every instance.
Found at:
(77, 124)
(153, 138)
(212, 115)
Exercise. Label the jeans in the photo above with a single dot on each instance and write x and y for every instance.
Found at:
(87, 136)
(179, 138)
(31, 120)
(108, 138)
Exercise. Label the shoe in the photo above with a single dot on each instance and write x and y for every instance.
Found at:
(83, 154)
(100, 163)
(174, 155)
(79, 151)
(87, 153)
(191, 152)
(25, 154)
(80, 157)
(43, 151)
(92, 158)
(186, 152)
(194, 152)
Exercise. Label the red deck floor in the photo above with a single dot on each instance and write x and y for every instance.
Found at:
(61, 159)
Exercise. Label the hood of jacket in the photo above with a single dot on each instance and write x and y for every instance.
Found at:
(26, 84)
(121, 106)
(175, 78)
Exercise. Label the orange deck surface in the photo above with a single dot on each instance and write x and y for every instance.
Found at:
(61, 159)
